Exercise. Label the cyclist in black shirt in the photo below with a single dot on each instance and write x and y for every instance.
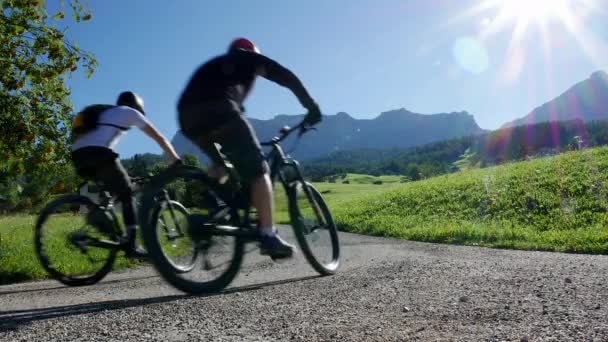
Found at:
(211, 111)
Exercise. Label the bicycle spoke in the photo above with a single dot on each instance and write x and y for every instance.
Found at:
(317, 235)
(70, 248)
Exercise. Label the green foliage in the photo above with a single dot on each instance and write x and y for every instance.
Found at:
(500, 146)
(33, 188)
(191, 160)
(193, 194)
(35, 108)
(144, 164)
(415, 163)
(558, 203)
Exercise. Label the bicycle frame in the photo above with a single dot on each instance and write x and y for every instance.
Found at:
(239, 199)
(277, 159)
(106, 203)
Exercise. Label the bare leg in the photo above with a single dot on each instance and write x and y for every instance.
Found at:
(262, 200)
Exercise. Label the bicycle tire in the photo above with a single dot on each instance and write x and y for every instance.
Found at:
(57, 271)
(159, 220)
(300, 227)
(164, 266)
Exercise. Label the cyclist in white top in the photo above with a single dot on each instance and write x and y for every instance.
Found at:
(97, 130)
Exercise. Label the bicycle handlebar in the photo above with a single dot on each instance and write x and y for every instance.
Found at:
(286, 131)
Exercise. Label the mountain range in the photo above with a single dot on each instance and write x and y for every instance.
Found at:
(393, 129)
(400, 128)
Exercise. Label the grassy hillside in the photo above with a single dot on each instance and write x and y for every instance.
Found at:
(558, 203)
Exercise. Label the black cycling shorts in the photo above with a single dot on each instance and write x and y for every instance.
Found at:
(102, 164)
(222, 122)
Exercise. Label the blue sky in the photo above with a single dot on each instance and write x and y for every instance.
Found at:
(357, 56)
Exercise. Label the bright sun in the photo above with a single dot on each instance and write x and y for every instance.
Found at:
(528, 10)
(533, 25)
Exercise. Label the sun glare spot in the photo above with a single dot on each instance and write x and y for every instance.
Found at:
(533, 25)
(471, 55)
(529, 10)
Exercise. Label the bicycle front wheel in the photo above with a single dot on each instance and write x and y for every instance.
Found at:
(314, 227)
(196, 261)
(73, 248)
(171, 221)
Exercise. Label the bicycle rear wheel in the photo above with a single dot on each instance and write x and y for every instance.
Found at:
(73, 240)
(212, 261)
(314, 227)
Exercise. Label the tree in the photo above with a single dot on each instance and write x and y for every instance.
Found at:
(190, 160)
(138, 167)
(412, 172)
(35, 107)
(35, 59)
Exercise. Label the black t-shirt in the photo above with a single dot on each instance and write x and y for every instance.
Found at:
(231, 76)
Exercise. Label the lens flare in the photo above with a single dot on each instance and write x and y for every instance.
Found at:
(546, 21)
(471, 55)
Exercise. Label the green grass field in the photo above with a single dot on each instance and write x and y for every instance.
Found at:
(338, 194)
(555, 204)
(18, 261)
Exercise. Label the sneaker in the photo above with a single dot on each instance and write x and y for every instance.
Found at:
(136, 252)
(275, 247)
(132, 250)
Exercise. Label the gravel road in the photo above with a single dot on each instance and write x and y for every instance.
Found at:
(386, 290)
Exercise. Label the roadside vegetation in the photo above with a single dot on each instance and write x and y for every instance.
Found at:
(18, 261)
(555, 204)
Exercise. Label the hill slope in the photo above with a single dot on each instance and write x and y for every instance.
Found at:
(586, 101)
(557, 203)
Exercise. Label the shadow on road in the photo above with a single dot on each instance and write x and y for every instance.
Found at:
(11, 320)
(2, 293)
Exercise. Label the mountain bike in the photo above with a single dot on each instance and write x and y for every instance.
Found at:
(222, 221)
(77, 239)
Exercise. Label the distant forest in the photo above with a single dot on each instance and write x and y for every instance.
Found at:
(500, 146)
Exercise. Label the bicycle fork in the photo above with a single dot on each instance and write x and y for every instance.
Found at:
(173, 233)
